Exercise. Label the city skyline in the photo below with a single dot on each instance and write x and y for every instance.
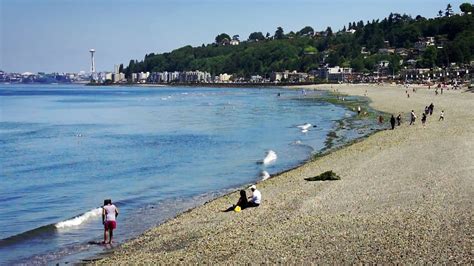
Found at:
(56, 36)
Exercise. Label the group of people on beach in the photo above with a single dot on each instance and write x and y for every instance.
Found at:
(110, 211)
(427, 111)
(246, 202)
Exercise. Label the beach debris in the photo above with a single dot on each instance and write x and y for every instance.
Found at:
(326, 176)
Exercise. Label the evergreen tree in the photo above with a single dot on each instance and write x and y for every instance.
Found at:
(279, 34)
(329, 32)
(449, 11)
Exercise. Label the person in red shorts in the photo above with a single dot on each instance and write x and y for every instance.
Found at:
(109, 213)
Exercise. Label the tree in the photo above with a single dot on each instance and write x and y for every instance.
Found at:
(221, 37)
(449, 11)
(279, 34)
(429, 57)
(440, 13)
(256, 36)
(329, 32)
(308, 31)
(466, 8)
(236, 37)
(310, 50)
(267, 36)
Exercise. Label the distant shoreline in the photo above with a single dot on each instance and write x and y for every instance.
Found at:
(213, 85)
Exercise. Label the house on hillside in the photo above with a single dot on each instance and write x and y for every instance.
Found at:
(423, 43)
(351, 31)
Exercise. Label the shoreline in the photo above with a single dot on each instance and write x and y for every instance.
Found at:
(328, 148)
(189, 247)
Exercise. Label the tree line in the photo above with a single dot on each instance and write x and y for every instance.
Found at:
(307, 49)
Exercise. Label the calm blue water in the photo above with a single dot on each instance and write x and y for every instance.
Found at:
(154, 151)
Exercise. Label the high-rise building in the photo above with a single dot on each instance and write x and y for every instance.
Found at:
(92, 51)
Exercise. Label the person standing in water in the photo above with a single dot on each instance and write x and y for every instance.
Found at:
(109, 214)
(358, 110)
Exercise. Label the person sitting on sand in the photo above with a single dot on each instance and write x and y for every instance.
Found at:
(242, 202)
(256, 198)
(109, 213)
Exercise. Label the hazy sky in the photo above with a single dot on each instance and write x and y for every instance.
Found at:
(56, 35)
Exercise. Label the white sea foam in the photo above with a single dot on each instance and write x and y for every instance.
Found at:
(79, 219)
(265, 175)
(270, 157)
(305, 126)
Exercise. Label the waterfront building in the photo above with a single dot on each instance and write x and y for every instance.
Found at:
(335, 73)
(224, 78)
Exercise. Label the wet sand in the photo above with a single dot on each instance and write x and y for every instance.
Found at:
(405, 196)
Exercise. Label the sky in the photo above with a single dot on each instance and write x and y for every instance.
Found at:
(56, 35)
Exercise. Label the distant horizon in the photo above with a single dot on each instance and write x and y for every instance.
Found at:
(55, 36)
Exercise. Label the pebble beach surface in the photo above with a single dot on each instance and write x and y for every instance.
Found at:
(405, 196)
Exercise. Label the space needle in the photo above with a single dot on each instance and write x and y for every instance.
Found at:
(92, 51)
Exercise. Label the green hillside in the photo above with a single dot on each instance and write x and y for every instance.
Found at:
(306, 49)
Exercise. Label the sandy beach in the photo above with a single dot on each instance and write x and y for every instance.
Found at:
(405, 196)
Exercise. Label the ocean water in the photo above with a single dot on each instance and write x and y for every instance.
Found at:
(154, 151)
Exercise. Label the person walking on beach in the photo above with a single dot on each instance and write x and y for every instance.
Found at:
(399, 119)
(431, 107)
(412, 117)
(392, 122)
(423, 119)
(242, 202)
(109, 214)
(427, 110)
(441, 116)
(256, 197)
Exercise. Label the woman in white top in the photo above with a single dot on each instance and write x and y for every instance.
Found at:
(109, 213)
